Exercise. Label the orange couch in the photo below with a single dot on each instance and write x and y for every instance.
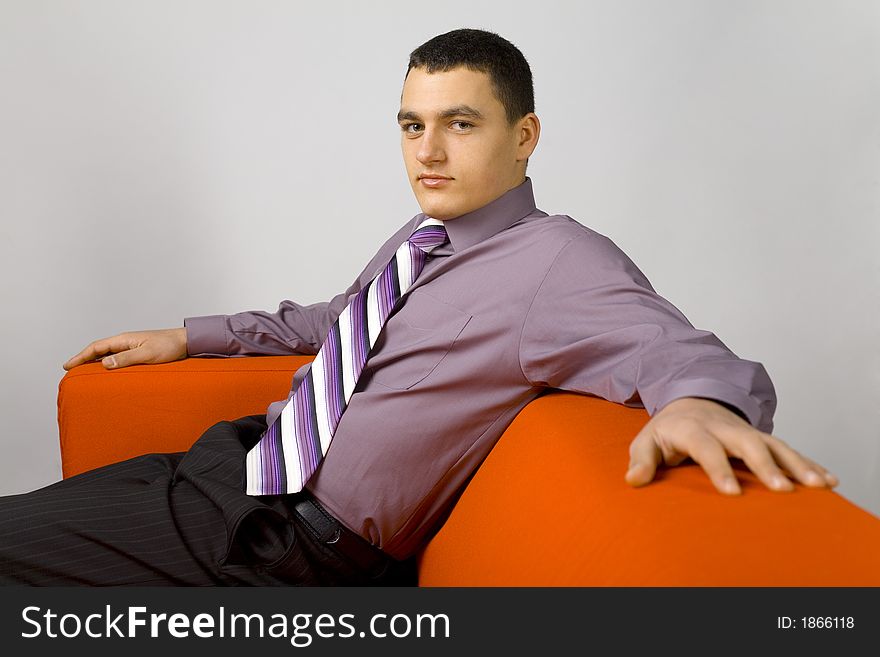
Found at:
(591, 529)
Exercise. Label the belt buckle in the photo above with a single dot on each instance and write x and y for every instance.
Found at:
(351, 549)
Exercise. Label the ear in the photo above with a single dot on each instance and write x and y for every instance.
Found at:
(528, 131)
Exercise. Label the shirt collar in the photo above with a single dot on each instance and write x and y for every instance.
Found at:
(481, 224)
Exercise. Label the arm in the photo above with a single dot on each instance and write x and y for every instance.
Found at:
(291, 329)
(597, 326)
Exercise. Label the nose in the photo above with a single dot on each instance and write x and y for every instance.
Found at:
(430, 147)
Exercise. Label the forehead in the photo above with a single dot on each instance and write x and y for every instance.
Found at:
(429, 93)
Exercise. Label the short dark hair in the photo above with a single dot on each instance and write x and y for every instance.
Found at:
(485, 52)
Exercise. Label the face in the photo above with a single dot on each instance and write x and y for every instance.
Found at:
(459, 150)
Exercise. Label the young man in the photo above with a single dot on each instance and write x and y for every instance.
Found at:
(472, 309)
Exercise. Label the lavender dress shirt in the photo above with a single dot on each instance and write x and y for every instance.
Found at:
(518, 302)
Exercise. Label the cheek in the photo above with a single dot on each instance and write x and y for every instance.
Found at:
(487, 161)
(485, 172)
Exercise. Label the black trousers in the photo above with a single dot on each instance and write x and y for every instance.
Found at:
(178, 519)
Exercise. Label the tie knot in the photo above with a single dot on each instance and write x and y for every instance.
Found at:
(429, 235)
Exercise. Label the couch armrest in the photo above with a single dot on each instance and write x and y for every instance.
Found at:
(106, 416)
(549, 507)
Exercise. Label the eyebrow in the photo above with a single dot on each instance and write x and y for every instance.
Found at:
(458, 110)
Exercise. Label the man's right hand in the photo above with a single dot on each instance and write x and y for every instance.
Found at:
(159, 346)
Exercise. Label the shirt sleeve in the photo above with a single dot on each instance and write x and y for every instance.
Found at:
(292, 329)
(597, 326)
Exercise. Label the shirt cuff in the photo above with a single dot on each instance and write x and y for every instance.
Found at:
(206, 336)
(719, 391)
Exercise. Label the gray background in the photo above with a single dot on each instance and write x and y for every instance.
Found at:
(167, 159)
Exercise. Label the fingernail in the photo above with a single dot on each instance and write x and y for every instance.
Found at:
(831, 479)
(110, 361)
(730, 486)
(781, 483)
(813, 478)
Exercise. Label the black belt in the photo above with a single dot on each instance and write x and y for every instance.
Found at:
(332, 533)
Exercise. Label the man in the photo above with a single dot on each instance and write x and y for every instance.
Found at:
(471, 310)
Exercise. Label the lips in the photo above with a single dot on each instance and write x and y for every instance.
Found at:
(433, 180)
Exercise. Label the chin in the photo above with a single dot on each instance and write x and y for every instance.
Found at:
(440, 204)
(438, 213)
(435, 210)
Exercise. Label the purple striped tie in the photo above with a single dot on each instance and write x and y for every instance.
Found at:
(289, 451)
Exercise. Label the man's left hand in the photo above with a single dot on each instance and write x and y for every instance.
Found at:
(709, 433)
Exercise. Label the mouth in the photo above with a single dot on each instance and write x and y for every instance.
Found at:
(433, 180)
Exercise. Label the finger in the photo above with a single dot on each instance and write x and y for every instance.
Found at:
(796, 465)
(92, 351)
(645, 456)
(126, 358)
(755, 452)
(708, 451)
(78, 359)
(771, 459)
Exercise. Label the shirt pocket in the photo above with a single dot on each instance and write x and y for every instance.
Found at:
(414, 341)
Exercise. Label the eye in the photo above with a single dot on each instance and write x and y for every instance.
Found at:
(463, 125)
(411, 128)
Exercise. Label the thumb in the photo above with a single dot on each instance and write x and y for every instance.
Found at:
(124, 358)
(645, 456)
